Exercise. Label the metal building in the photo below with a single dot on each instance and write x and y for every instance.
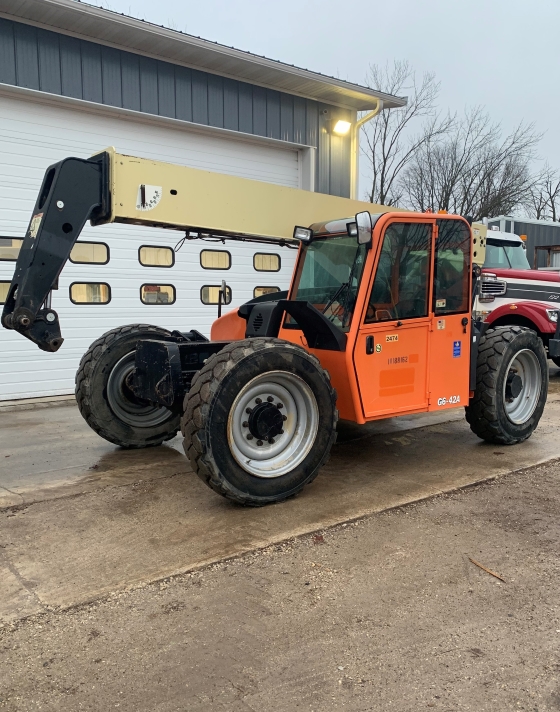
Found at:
(75, 79)
(540, 233)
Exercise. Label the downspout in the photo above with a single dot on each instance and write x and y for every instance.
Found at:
(355, 148)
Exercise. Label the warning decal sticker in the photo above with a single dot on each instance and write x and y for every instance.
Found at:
(35, 224)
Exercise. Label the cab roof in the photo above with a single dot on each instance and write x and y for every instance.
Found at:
(498, 235)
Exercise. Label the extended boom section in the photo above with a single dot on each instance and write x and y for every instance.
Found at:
(111, 187)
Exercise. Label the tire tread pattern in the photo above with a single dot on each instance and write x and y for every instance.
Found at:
(84, 385)
(481, 413)
(197, 409)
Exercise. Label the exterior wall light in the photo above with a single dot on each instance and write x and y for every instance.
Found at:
(342, 127)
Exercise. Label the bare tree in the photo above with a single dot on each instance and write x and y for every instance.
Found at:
(472, 169)
(543, 199)
(393, 139)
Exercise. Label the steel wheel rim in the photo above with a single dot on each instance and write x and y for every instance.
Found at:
(524, 364)
(137, 413)
(300, 426)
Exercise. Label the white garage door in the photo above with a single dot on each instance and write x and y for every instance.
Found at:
(35, 135)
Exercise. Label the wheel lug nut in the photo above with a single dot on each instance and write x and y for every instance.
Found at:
(258, 401)
(259, 442)
(245, 424)
(284, 417)
(249, 437)
(270, 399)
(248, 411)
(279, 405)
(271, 441)
(281, 432)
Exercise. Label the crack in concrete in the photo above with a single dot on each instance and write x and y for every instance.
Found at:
(73, 495)
(15, 494)
(21, 580)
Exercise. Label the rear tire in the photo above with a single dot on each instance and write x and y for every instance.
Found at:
(107, 404)
(511, 385)
(259, 421)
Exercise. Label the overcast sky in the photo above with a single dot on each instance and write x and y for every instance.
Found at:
(502, 54)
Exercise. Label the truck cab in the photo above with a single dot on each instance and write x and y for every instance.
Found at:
(511, 293)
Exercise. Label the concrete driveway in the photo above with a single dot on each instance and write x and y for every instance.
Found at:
(82, 518)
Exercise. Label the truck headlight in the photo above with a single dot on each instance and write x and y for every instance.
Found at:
(552, 314)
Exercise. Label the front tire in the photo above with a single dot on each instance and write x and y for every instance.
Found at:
(511, 385)
(106, 402)
(259, 421)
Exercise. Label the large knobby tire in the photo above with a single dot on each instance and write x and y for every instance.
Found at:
(260, 420)
(511, 385)
(104, 399)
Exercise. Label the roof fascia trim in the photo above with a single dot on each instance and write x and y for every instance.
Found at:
(142, 117)
(207, 45)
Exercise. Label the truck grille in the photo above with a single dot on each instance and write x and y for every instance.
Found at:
(493, 288)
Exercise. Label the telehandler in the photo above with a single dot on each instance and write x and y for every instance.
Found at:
(377, 323)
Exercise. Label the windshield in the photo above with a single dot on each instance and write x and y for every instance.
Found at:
(328, 277)
(505, 254)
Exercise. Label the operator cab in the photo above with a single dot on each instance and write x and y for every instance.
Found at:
(505, 250)
(402, 301)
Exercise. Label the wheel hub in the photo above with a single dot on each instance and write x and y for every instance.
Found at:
(131, 410)
(522, 386)
(265, 421)
(272, 424)
(514, 386)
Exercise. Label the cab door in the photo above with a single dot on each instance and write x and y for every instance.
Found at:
(449, 356)
(391, 350)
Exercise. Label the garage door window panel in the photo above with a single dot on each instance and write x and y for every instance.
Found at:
(266, 262)
(90, 253)
(215, 259)
(163, 294)
(210, 293)
(4, 289)
(9, 249)
(155, 256)
(90, 293)
(261, 291)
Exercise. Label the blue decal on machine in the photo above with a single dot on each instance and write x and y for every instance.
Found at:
(456, 349)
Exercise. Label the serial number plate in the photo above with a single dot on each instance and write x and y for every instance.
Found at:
(447, 401)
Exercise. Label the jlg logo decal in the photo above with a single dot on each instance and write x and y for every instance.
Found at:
(392, 337)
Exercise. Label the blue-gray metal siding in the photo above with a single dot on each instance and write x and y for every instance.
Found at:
(52, 62)
(537, 235)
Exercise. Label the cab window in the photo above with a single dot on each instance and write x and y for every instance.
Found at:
(452, 267)
(401, 286)
(328, 277)
(505, 254)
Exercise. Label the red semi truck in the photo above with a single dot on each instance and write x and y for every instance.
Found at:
(513, 293)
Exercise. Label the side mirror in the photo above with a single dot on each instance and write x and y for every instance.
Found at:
(365, 227)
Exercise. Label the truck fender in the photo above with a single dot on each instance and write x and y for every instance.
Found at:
(535, 312)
